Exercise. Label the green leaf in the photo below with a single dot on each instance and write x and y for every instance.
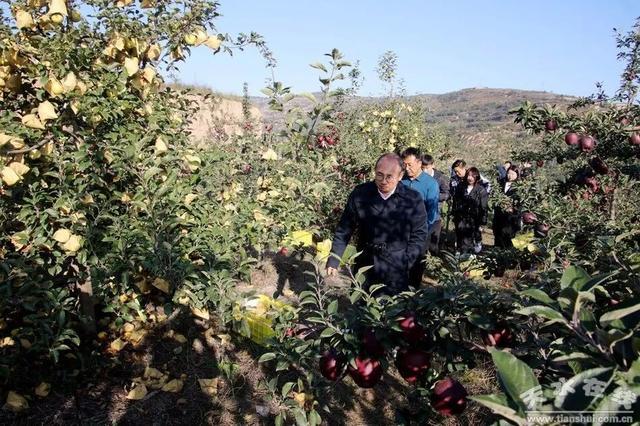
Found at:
(544, 312)
(574, 277)
(287, 388)
(498, 403)
(581, 397)
(609, 408)
(309, 96)
(267, 357)
(539, 295)
(617, 315)
(327, 332)
(515, 376)
(333, 307)
(318, 66)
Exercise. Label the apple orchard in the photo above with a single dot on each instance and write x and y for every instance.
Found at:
(113, 226)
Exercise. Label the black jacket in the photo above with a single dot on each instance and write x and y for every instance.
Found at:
(471, 207)
(392, 233)
(443, 184)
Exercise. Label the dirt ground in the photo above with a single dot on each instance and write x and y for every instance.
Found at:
(100, 397)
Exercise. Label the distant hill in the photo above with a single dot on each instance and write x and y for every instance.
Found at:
(477, 119)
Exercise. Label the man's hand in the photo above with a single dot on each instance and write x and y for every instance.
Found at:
(331, 271)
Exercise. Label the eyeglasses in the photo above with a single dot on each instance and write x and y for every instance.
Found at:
(381, 177)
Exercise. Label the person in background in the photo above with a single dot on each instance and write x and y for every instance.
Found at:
(429, 191)
(506, 215)
(391, 224)
(470, 208)
(458, 175)
(444, 195)
(502, 170)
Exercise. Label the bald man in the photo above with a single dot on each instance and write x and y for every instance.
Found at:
(391, 224)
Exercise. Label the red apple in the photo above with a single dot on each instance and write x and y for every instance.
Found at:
(332, 365)
(634, 139)
(412, 363)
(367, 372)
(542, 229)
(625, 121)
(599, 166)
(551, 125)
(371, 344)
(587, 144)
(283, 251)
(500, 337)
(330, 141)
(449, 397)
(529, 218)
(412, 332)
(246, 168)
(571, 138)
(540, 163)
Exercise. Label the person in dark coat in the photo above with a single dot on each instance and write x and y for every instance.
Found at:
(506, 216)
(444, 195)
(470, 208)
(391, 224)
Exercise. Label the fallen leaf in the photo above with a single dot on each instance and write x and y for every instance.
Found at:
(138, 392)
(200, 313)
(209, 386)
(161, 284)
(16, 402)
(173, 386)
(117, 345)
(43, 389)
(180, 338)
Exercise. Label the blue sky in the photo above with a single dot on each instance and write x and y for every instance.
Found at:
(561, 46)
(558, 46)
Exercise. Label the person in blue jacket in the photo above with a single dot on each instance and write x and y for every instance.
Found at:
(391, 224)
(429, 191)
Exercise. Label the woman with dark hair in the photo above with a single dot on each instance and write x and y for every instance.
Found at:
(470, 206)
(506, 215)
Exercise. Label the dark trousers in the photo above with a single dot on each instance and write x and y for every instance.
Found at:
(417, 271)
(467, 235)
(434, 237)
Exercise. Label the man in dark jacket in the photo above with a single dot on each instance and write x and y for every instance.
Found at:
(391, 224)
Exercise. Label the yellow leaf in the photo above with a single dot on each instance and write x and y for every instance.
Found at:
(73, 244)
(46, 111)
(201, 37)
(24, 19)
(19, 168)
(143, 286)
(62, 235)
(304, 238)
(173, 386)
(138, 392)
(7, 341)
(521, 241)
(117, 345)
(180, 338)
(213, 42)
(269, 154)
(32, 122)
(54, 87)
(148, 74)
(162, 285)
(190, 39)
(193, 162)
(209, 386)
(299, 398)
(189, 198)
(146, 4)
(152, 373)
(16, 402)
(69, 82)
(128, 327)
(81, 86)
(161, 146)
(131, 65)
(9, 176)
(123, 3)
(153, 54)
(43, 389)
(323, 250)
(201, 313)
(135, 336)
(58, 7)
(87, 199)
